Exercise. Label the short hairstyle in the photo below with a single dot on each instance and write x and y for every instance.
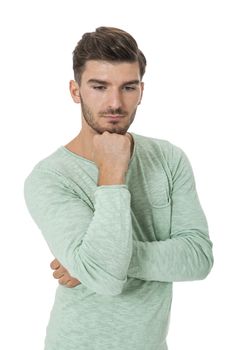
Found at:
(108, 44)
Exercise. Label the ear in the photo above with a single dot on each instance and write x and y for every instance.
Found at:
(74, 91)
(142, 89)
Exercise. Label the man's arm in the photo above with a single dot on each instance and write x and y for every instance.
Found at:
(95, 247)
(187, 254)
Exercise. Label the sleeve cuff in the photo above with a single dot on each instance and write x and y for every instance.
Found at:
(112, 187)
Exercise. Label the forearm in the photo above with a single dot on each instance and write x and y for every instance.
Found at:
(93, 244)
(184, 258)
(186, 254)
(101, 261)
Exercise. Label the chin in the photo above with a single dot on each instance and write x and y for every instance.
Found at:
(111, 130)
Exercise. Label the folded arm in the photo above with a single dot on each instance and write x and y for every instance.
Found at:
(94, 246)
(187, 254)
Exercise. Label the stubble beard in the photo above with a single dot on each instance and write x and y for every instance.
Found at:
(90, 120)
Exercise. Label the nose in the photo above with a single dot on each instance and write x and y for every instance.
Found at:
(114, 99)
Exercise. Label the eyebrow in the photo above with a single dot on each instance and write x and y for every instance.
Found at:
(103, 82)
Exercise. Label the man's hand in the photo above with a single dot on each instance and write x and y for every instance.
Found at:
(111, 153)
(112, 150)
(63, 275)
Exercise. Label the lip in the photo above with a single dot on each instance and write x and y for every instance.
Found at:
(114, 116)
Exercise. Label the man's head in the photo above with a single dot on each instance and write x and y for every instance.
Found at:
(108, 69)
(106, 44)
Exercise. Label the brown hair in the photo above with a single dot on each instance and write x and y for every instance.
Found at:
(109, 44)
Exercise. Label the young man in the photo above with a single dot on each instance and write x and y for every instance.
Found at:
(119, 211)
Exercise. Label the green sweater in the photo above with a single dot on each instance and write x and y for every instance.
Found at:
(125, 243)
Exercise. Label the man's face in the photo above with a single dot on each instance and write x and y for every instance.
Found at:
(109, 94)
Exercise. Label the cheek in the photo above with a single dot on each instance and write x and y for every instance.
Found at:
(134, 103)
(93, 100)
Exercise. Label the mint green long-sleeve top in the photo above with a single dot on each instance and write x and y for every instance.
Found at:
(125, 243)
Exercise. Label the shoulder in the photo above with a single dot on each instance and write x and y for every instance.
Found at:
(46, 174)
(53, 162)
(165, 150)
(56, 165)
(173, 159)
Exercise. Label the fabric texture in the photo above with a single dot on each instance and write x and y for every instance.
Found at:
(125, 243)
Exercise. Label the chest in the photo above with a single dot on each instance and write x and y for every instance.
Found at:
(149, 186)
(151, 203)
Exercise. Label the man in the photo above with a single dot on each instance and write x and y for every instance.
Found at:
(118, 210)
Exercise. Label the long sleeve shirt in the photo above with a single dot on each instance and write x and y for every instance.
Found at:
(125, 243)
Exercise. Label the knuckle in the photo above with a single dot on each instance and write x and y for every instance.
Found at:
(72, 283)
(69, 284)
(58, 274)
(62, 269)
(54, 265)
(62, 281)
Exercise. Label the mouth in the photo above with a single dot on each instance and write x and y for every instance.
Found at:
(114, 117)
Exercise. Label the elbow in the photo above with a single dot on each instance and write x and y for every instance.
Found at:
(200, 261)
(112, 293)
(113, 286)
(110, 289)
(207, 265)
(99, 281)
(106, 287)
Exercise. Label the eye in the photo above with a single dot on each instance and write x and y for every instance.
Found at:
(129, 88)
(99, 87)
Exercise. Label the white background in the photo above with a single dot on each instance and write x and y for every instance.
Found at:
(187, 100)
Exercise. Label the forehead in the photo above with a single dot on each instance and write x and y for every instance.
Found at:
(111, 71)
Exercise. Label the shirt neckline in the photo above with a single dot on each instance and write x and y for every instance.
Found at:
(67, 151)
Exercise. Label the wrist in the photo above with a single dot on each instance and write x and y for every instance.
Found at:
(111, 177)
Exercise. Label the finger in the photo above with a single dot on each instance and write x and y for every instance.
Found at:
(60, 272)
(73, 283)
(64, 280)
(55, 264)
